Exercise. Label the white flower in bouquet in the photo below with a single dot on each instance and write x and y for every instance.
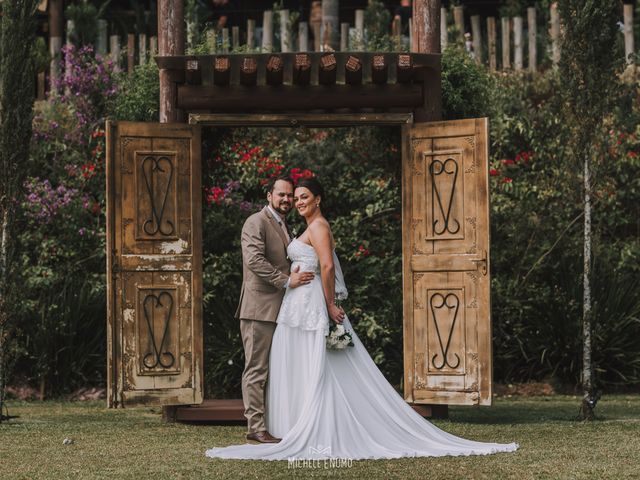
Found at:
(339, 337)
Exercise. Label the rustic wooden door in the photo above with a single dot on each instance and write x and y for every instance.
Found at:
(154, 264)
(447, 323)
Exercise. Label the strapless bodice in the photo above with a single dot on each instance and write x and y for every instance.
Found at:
(304, 256)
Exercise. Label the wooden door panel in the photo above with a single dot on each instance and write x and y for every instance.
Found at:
(446, 221)
(155, 264)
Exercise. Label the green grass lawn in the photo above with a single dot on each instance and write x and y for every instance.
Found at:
(135, 443)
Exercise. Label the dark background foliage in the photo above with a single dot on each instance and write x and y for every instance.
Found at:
(536, 244)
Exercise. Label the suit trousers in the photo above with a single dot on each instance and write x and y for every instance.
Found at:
(256, 338)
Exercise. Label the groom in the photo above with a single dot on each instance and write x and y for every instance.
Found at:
(265, 276)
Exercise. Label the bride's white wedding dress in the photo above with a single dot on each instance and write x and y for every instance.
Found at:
(336, 403)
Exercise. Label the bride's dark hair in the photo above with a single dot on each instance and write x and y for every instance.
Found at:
(312, 184)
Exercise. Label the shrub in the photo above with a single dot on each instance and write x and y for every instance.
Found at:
(363, 205)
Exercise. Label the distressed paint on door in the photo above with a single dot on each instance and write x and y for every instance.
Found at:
(154, 264)
(447, 326)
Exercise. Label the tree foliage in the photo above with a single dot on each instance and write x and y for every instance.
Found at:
(589, 86)
(17, 36)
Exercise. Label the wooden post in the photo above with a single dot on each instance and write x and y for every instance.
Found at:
(330, 25)
(114, 51)
(101, 40)
(359, 39)
(285, 31)
(426, 26)
(56, 19)
(153, 46)
(225, 40)
(317, 41)
(458, 18)
(444, 32)
(344, 37)
(628, 32)
(142, 49)
(67, 61)
(396, 33)
(303, 37)
(235, 37)
(170, 42)
(40, 95)
(267, 31)
(426, 39)
(476, 33)
(517, 42)
(131, 52)
(212, 40)
(533, 35)
(506, 42)
(555, 34)
(491, 34)
(251, 33)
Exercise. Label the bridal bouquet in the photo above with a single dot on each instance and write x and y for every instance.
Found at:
(339, 337)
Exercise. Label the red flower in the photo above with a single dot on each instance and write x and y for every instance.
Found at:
(215, 195)
(507, 180)
(88, 170)
(297, 174)
(493, 172)
(362, 251)
(524, 156)
(508, 161)
(632, 154)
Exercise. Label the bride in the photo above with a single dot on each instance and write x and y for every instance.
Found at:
(334, 403)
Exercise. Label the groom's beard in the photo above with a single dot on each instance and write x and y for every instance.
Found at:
(282, 212)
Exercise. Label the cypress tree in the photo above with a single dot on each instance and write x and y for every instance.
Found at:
(17, 87)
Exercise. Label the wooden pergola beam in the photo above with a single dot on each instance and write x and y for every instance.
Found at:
(239, 98)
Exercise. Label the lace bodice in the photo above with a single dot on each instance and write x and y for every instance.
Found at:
(304, 306)
(304, 256)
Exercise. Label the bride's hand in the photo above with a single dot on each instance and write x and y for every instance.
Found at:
(336, 313)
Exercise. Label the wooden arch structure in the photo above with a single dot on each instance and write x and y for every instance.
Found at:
(154, 237)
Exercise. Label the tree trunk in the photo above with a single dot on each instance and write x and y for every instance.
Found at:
(588, 399)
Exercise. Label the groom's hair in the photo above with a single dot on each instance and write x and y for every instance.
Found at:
(272, 182)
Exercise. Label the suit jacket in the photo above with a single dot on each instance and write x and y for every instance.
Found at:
(265, 267)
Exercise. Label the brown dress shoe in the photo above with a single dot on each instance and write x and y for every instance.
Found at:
(262, 437)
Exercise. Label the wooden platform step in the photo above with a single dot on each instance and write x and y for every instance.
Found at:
(232, 410)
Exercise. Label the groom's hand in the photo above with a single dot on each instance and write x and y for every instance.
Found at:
(298, 278)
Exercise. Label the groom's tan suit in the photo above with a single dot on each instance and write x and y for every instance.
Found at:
(265, 271)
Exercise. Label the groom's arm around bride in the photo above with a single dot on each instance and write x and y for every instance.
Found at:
(265, 274)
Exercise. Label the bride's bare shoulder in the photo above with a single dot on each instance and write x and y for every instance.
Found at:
(320, 232)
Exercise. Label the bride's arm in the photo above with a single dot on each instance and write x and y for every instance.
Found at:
(320, 236)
